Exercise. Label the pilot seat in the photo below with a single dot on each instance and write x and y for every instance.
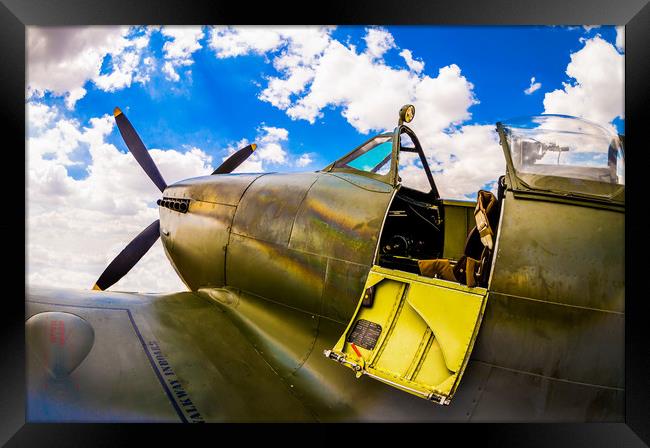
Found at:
(473, 268)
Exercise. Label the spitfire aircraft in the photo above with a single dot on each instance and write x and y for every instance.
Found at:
(344, 295)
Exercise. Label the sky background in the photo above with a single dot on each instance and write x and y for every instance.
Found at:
(305, 95)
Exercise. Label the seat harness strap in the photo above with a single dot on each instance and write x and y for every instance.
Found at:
(480, 214)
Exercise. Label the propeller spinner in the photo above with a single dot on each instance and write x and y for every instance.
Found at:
(139, 246)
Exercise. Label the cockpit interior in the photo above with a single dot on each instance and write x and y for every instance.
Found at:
(563, 157)
(419, 225)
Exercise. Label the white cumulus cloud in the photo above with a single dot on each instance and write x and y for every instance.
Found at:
(229, 42)
(39, 115)
(61, 60)
(534, 86)
(620, 38)
(75, 227)
(378, 42)
(597, 90)
(299, 47)
(270, 150)
(304, 160)
(415, 65)
(341, 77)
(368, 93)
(178, 51)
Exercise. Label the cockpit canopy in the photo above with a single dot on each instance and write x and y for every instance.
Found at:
(550, 154)
(564, 155)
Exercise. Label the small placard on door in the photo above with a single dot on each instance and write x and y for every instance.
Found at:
(365, 334)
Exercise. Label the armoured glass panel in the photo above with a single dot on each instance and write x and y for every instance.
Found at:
(373, 157)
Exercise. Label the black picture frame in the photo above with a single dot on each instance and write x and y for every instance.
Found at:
(15, 15)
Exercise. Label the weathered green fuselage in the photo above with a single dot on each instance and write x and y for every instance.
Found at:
(286, 256)
(303, 240)
(277, 264)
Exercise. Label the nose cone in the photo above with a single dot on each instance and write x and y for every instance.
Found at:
(195, 229)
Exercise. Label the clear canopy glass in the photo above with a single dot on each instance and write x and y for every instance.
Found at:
(566, 155)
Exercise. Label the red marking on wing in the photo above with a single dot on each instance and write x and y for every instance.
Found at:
(57, 332)
(61, 332)
(53, 325)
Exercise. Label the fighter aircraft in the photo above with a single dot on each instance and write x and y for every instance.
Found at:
(344, 295)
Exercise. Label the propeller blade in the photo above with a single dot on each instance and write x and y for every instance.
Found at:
(129, 256)
(138, 149)
(235, 160)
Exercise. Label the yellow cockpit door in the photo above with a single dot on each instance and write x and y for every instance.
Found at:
(414, 333)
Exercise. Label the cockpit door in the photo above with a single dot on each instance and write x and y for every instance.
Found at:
(414, 333)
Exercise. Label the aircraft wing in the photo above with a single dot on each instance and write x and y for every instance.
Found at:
(184, 357)
(151, 358)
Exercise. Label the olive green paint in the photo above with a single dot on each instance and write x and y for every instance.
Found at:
(276, 265)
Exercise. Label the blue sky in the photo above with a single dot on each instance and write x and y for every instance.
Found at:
(305, 95)
(218, 103)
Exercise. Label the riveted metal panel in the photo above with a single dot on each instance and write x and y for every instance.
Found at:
(561, 253)
(276, 272)
(509, 396)
(343, 287)
(339, 219)
(269, 206)
(222, 189)
(285, 336)
(553, 340)
(196, 242)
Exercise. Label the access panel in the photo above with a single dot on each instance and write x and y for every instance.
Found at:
(414, 333)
